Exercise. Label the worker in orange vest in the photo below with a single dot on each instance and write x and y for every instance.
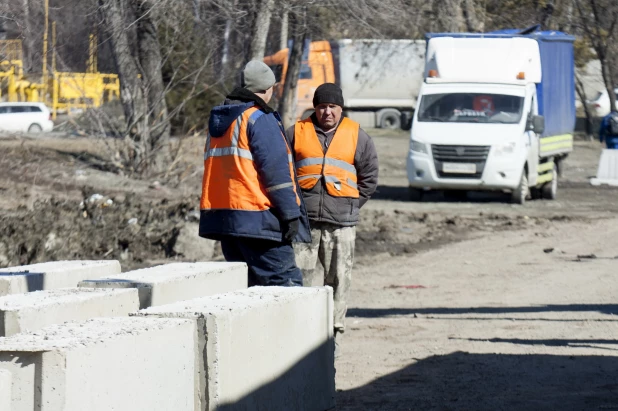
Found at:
(250, 196)
(337, 168)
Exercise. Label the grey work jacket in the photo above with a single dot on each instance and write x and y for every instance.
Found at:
(342, 211)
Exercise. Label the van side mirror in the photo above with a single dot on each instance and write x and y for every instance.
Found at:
(536, 124)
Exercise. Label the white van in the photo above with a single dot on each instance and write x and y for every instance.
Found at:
(496, 112)
(25, 117)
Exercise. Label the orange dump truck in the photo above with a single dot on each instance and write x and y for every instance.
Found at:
(380, 79)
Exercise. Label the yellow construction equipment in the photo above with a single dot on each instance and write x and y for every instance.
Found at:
(62, 91)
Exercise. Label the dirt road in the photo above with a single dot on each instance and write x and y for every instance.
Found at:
(520, 315)
(471, 305)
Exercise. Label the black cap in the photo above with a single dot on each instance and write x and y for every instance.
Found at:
(328, 93)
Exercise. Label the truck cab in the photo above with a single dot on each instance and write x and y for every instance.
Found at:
(480, 124)
(316, 69)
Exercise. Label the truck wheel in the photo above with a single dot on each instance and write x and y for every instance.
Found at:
(535, 193)
(520, 194)
(390, 119)
(415, 194)
(550, 189)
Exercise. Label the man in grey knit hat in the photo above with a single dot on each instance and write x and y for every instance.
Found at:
(250, 196)
(337, 167)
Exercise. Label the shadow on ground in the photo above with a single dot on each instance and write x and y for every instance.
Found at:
(463, 381)
(401, 193)
(386, 312)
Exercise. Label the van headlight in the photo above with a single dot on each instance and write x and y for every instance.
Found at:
(418, 147)
(504, 149)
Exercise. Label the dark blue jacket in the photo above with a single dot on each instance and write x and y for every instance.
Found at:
(269, 149)
(604, 132)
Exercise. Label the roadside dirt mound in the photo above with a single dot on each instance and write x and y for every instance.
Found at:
(404, 232)
(122, 228)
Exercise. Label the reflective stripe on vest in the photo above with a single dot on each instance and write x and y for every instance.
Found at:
(231, 180)
(336, 166)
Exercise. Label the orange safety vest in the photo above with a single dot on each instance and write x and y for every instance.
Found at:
(231, 180)
(336, 166)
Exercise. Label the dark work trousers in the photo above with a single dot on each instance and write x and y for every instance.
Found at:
(612, 142)
(269, 262)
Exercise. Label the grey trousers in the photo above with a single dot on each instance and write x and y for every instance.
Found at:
(334, 246)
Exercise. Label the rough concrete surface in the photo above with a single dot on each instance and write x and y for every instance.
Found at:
(5, 390)
(52, 275)
(32, 311)
(120, 364)
(264, 348)
(169, 283)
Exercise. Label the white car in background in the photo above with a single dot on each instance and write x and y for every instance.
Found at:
(599, 106)
(25, 117)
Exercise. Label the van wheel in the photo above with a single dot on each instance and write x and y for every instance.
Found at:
(390, 119)
(415, 194)
(550, 189)
(34, 128)
(520, 194)
(535, 193)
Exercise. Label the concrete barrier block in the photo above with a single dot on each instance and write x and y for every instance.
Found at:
(33, 311)
(5, 390)
(169, 283)
(264, 348)
(52, 275)
(121, 364)
(607, 172)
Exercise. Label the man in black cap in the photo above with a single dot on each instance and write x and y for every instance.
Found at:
(337, 168)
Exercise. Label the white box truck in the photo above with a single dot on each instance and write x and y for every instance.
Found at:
(496, 112)
(380, 79)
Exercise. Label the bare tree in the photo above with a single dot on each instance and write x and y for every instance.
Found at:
(598, 20)
(260, 29)
(474, 23)
(150, 62)
(448, 15)
(287, 105)
(138, 62)
(283, 36)
(581, 92)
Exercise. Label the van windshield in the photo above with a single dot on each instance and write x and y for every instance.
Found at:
(471, 108)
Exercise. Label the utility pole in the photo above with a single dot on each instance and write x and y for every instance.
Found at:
(45, 51)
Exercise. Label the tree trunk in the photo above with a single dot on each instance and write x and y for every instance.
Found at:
(151, 62)
(287, 105)
(581, 92)
(608, 76)
(28, 33)
(260, 29)
(473, 23)
(132, 94)
(448, 15)
(569, 16)
(225, 52)
(283, 39)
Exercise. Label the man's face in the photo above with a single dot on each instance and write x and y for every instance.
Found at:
(328, 115)
(268, 94)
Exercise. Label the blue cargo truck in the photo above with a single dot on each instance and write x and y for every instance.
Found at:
(496, 112)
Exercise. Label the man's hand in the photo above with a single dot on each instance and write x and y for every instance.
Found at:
(290, 229)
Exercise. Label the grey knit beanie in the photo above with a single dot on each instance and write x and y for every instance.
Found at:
(257, 76)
